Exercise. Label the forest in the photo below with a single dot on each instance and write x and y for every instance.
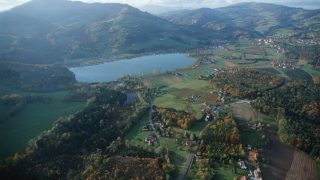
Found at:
(245, 83)
(297, 109)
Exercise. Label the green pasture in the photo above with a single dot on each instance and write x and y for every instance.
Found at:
(16, 131)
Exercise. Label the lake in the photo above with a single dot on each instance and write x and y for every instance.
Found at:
(111, 71)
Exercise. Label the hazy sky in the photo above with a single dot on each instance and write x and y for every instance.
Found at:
(312, 4)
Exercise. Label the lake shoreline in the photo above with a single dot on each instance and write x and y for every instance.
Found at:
(144, 65)
(101, 60)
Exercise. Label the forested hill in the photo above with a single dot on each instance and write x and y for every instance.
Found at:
(250, 20)
(61, 31)
(35, 77)
(51, 31)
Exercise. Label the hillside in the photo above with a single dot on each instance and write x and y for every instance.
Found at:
(35, 77)
(250, 19)
(61, 31)
(50, 31)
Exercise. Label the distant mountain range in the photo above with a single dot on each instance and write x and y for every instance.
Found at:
(253, 18)
(59, 31)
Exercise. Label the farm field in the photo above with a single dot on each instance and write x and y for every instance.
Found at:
(302, 167)
(177, 91)
(283, 161)
(245, 54)
(244, 111)
(16, 132)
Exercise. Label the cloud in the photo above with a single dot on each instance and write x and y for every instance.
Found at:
(6, 4)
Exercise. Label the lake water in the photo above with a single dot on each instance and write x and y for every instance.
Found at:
(112, 71)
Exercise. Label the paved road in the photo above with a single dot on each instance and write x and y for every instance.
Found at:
(184, 170)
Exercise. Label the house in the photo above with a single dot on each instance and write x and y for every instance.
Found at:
(242, 165)
(151, 139)
(253, 156)
(208, 118)
(257, 174)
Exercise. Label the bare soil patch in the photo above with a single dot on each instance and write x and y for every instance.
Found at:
(302, 168)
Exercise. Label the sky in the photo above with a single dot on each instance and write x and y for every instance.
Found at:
(309, 4)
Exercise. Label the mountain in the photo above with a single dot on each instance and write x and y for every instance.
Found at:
(208, 23)
(269, 18)
(62, 31)
(249, 19)
(57, 31)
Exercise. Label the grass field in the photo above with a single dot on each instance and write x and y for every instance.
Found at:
(176, 91)
(246, 55)
(244, 111)
(16, 132)
(308, 68)
(224, 173)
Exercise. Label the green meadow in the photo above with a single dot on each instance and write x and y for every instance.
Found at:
(29, 122)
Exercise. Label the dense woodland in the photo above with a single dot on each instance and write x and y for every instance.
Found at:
(81, 145)
(35, 77)
(297, 107)
(246, 83)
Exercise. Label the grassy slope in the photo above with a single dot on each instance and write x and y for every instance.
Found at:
(33, 119)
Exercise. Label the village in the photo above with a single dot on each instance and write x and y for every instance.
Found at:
(169, 124)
